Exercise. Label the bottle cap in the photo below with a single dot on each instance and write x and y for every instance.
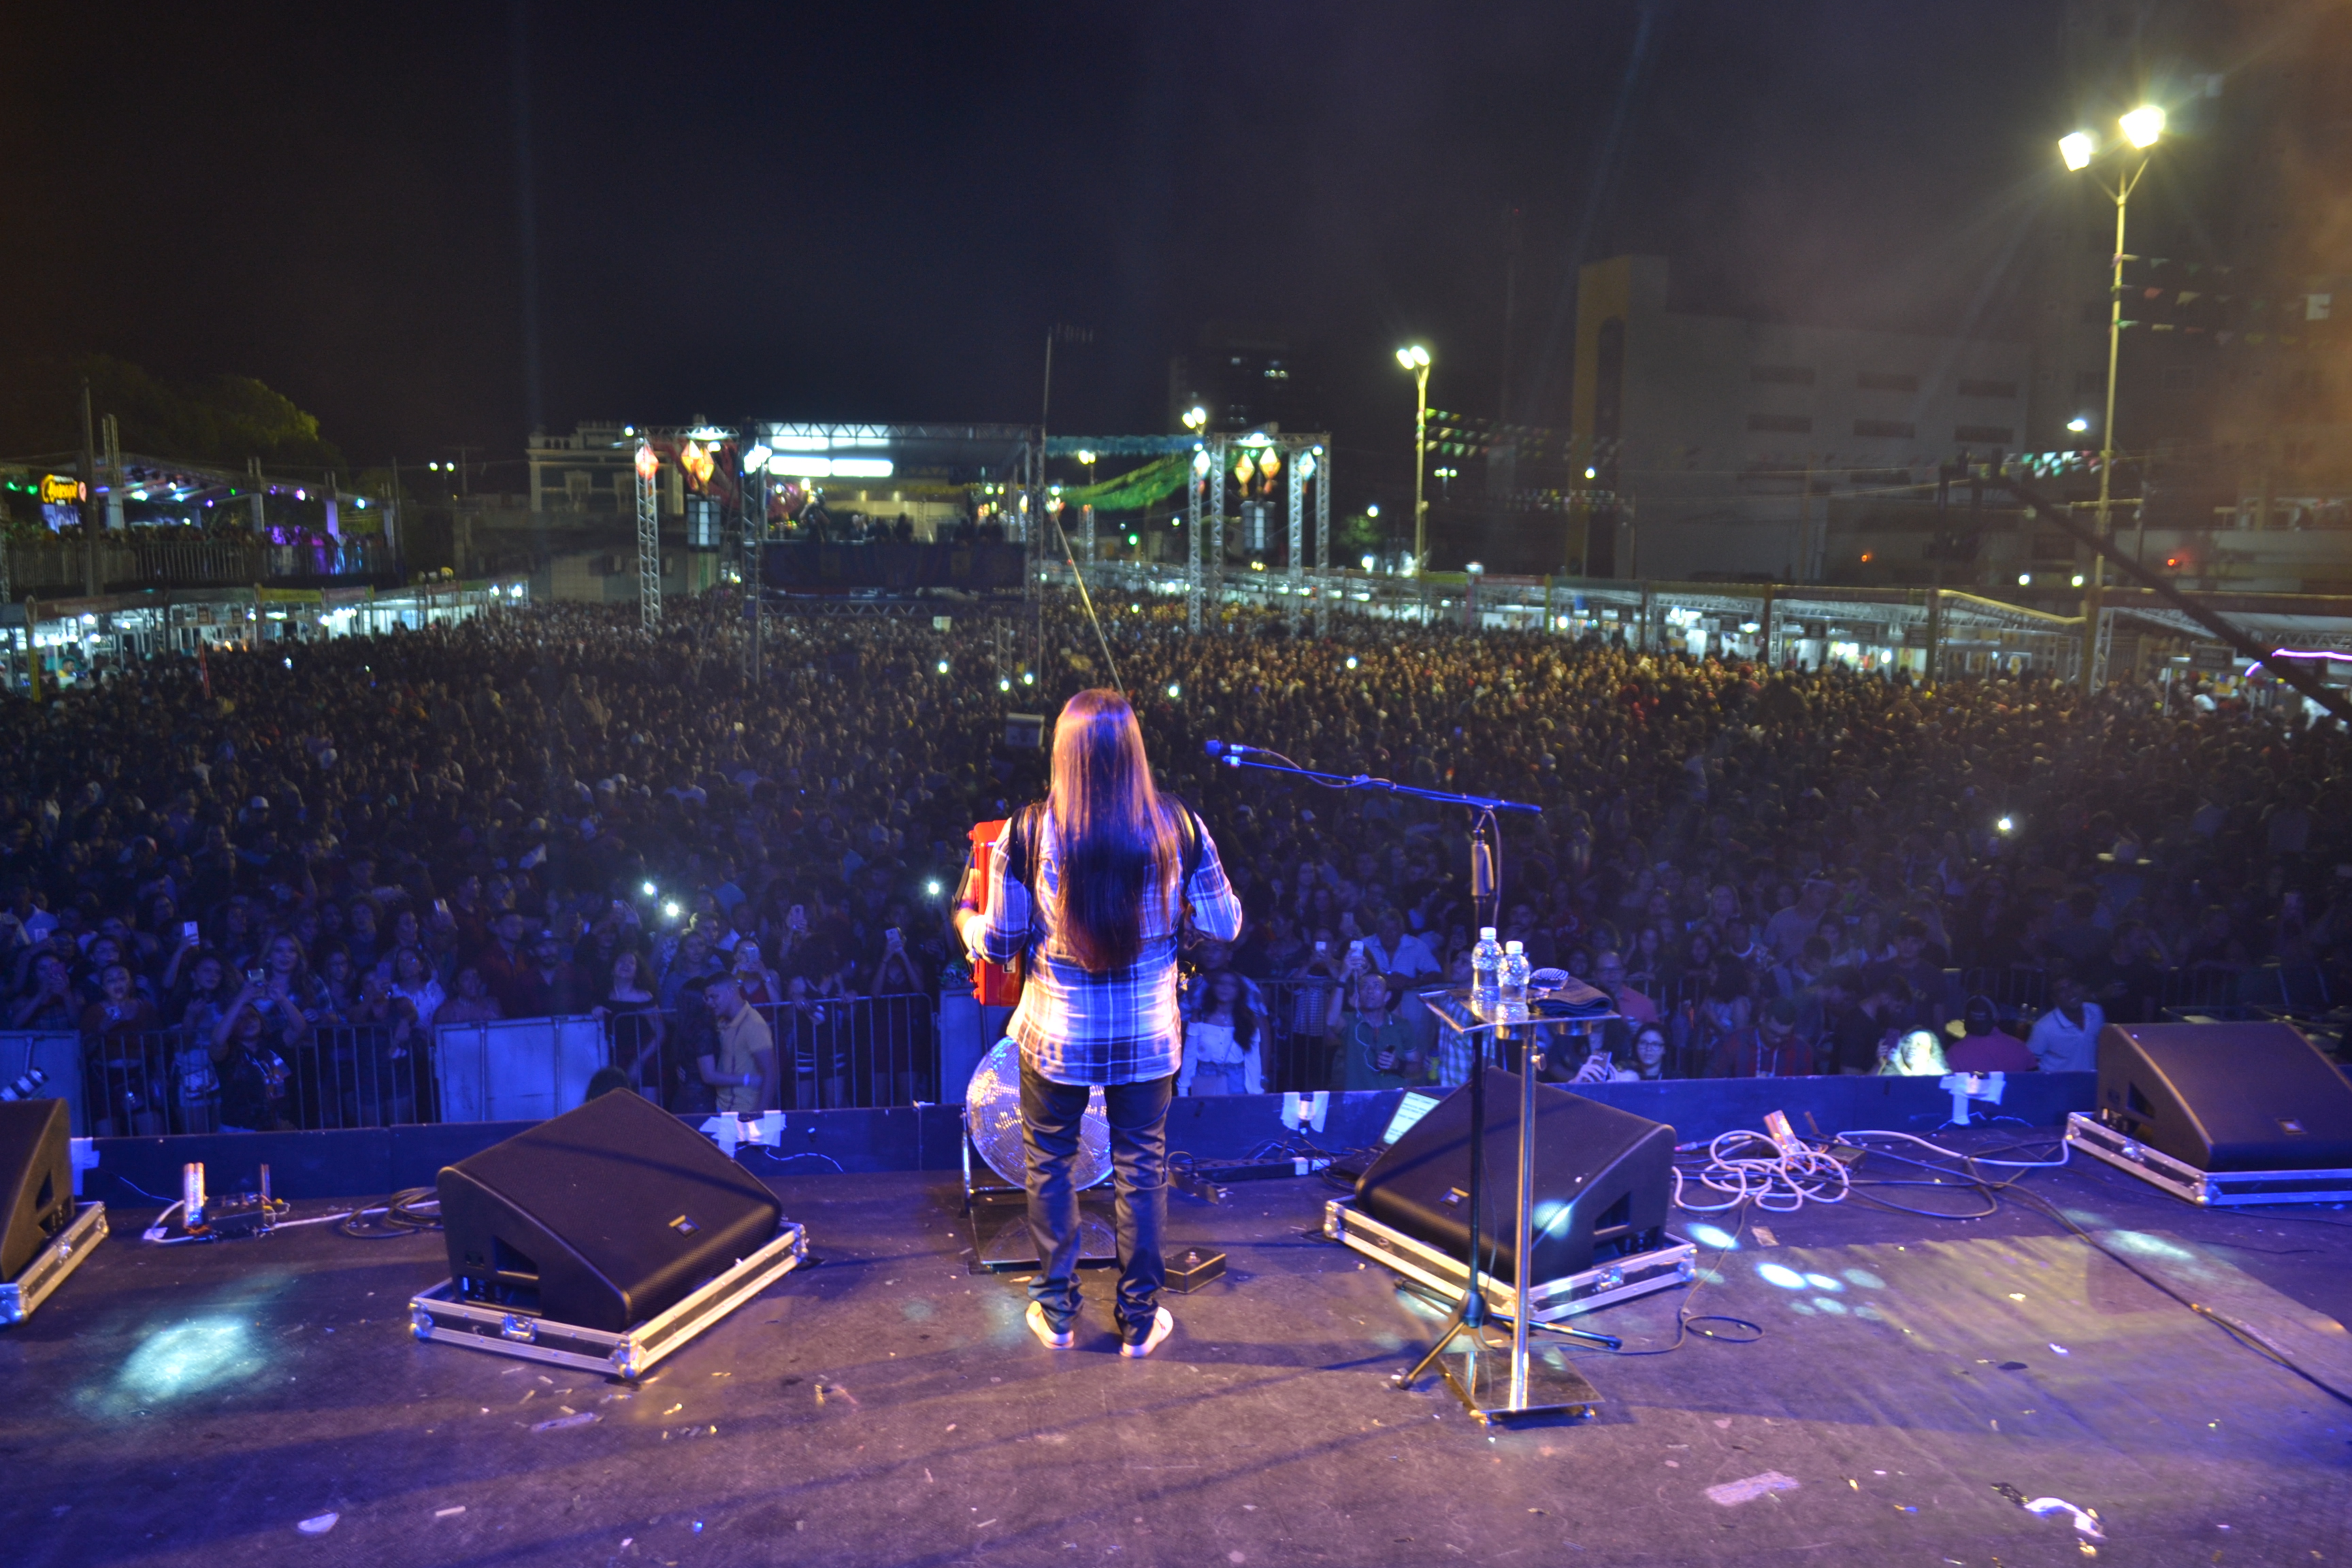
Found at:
(1510, 947)
(1485, 933)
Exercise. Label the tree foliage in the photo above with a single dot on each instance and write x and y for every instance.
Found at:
(223, 420)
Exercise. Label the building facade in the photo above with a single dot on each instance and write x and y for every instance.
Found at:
(1713, 445)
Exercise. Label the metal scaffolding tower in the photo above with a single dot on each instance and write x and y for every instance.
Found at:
(1309, 462)
(649, 606)
(1196, 516)
(1298, 470)
(1214, 582)
(1323, 540)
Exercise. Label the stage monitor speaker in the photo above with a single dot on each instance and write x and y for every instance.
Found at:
(2226, 1097)
(37, 1196)
(1601, 1180)
(601, 1218)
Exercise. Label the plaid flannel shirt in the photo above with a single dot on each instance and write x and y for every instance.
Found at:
(1120, 1027)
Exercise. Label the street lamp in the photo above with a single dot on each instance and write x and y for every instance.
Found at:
(1415, 359)
(1445, 477)
(1195, 418)
(2141, 129)
(1087, 459)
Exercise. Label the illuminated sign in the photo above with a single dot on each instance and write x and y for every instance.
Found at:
(58, 488)
(801, 465)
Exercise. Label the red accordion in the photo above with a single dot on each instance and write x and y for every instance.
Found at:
(993, 985)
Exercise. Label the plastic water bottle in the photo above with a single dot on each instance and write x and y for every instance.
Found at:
(1514, 973)
(1486, 970)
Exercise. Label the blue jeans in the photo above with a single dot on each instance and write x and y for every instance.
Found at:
(1050, 1117)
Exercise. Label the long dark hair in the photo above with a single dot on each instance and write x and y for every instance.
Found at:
(1117, 839)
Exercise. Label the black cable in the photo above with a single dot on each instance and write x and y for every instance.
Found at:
(399, 1214)
(2235, 1330)
(1684, 1317)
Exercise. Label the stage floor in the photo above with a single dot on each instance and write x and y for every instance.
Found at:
(196, 1404)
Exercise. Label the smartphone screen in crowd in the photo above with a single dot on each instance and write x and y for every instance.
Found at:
(188, 930)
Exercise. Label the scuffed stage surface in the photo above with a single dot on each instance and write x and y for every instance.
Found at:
(192, 1405)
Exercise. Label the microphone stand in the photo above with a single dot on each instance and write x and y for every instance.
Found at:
(1471, 1315)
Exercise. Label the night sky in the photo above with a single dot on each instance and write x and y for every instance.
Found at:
(869, 212)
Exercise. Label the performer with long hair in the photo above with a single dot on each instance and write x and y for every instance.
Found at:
(1090, 892)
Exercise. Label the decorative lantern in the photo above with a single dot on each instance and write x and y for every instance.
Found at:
(647, 464)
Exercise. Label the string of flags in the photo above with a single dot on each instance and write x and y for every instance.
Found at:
(2161, 294)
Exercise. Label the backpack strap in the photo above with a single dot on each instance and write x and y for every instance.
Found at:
(1190, 831)
(1020, 851)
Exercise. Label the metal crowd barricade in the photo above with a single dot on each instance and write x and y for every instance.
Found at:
(158, 1082)
(56, 1055)
(837, 1052)
(2016, 991)
(1297, 1054)
(2198, 987)
(516, 1069)
(128, 1084)
(362, 1076)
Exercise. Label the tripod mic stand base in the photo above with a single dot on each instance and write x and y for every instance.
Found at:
(1479, 1374)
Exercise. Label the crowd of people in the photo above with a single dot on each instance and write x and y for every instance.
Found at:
(246, 864)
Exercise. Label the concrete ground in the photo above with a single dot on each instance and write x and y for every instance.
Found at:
(204, 1405)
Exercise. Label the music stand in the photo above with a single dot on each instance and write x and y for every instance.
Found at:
(1477, 1390)
(1508, 1395)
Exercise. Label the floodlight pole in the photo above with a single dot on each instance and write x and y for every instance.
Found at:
(2094, 673)
(1419, 461)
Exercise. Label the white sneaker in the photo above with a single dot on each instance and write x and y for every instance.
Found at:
(1164, 1323)
(1042, 1327)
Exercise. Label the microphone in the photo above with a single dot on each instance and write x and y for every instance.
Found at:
(1231, 752)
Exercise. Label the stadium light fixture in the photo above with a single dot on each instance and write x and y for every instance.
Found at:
(1196, 418)
(2078, 425)
(1414, 359)
(2076, 147)
(2143, 125)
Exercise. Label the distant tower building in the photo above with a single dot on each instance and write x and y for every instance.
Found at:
(1247, 376)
